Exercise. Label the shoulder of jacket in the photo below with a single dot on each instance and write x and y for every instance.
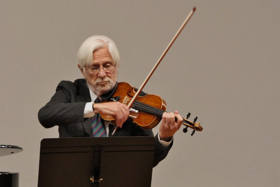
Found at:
(65, 84)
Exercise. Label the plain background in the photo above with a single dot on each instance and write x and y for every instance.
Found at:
(223, 68)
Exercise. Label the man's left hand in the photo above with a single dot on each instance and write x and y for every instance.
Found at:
(169, 125)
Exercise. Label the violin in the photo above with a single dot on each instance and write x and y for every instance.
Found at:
(146, 110)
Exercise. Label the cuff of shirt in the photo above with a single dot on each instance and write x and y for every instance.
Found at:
(163, 143)
(88, 111)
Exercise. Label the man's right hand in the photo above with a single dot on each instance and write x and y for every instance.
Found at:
(116, 109)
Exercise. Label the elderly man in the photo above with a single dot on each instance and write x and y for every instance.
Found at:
(76, 106)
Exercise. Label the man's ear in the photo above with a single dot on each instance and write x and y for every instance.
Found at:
(81, 69)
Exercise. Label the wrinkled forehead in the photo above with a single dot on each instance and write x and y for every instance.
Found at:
(102, 56)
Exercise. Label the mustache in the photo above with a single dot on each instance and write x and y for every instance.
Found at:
(102, 80)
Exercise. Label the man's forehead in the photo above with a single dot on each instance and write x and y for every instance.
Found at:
(101, 56)
(97, 63)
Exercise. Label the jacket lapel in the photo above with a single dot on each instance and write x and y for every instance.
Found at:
(83, 95)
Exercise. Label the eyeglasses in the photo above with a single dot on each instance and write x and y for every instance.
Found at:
(108, 68)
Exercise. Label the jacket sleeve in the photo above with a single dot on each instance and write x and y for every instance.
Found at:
(62, 109)
(160, 151)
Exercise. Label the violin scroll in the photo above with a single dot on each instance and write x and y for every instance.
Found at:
(193, 125)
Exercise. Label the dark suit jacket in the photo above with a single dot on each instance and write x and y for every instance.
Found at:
(66, 109)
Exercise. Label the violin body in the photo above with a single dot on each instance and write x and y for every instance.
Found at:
(146, 110)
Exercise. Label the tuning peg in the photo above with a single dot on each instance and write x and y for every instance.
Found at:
(194, 127)
(188, 115)
(185, 129)
(193, 132)
(195, 119)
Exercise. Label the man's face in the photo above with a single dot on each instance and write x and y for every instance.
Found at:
(102, 74)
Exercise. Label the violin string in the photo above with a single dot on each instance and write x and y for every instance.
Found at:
(153, 110)
(147, 108)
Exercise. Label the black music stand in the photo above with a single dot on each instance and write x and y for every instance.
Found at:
(96, 162)
(8, 179)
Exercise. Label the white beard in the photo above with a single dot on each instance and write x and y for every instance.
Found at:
(102, 89)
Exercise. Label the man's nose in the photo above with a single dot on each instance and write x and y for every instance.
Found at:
(101, 72)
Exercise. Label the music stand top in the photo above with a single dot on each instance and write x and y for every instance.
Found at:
(9, 149)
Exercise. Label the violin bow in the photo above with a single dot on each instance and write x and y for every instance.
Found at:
(186, 122)
(161, 57)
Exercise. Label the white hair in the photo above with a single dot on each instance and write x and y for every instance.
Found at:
(93, 43)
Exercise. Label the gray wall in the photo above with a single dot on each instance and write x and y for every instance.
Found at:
(224, 68)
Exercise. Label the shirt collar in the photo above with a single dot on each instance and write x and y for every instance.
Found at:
(92, 95)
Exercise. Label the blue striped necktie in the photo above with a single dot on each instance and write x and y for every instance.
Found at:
(97, 129)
